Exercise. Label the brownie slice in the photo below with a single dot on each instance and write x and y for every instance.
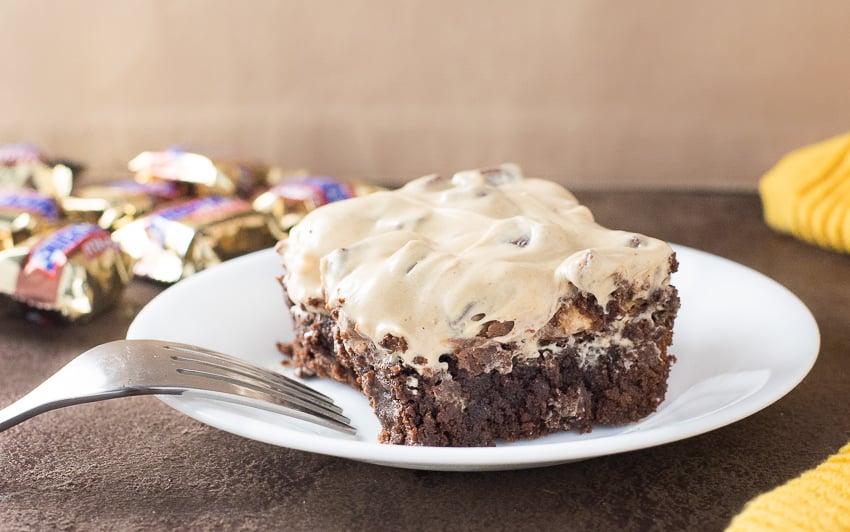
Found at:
(612, 371)
(480, 308)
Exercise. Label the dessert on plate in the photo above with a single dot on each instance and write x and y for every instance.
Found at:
(481, 307)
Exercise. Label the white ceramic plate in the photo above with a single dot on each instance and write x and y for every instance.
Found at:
(742, 342)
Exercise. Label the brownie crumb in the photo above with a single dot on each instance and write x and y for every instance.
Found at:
(304, 373)
(285, 349)
(394, 343)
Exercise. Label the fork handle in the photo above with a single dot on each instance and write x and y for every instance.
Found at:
(33, 403)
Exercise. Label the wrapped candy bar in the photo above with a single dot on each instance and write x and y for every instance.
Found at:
(24, 213)
(115, 204)
(74, 271)
(290, 200)
(24, 166)
(178, 240)
(200, 174)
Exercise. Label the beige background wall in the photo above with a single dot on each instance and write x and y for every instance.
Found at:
(588, 92)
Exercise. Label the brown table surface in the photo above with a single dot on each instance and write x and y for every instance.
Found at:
(137, 464)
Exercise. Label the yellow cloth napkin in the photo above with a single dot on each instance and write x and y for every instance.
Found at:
(807, 194)
(819, 499)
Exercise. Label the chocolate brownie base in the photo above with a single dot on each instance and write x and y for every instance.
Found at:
(620, 378)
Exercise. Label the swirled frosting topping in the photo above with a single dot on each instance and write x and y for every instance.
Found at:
(434, 261)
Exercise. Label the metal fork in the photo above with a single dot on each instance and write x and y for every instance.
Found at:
(126, 368)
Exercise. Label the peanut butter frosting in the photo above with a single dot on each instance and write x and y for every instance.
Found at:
(435, 260)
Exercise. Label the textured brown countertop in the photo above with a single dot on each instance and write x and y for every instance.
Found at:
(137, 464)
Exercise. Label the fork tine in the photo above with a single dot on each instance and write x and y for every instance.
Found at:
(233, 362)
(279, 384)
(276, 386)
(236, 372)
(220, 387)
(246, 381)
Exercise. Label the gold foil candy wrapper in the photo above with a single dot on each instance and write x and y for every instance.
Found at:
(178, 240)
(201, 175)
(115, 204)
(75, 271)
(287, 202)
(24, 166)
(24, 213)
